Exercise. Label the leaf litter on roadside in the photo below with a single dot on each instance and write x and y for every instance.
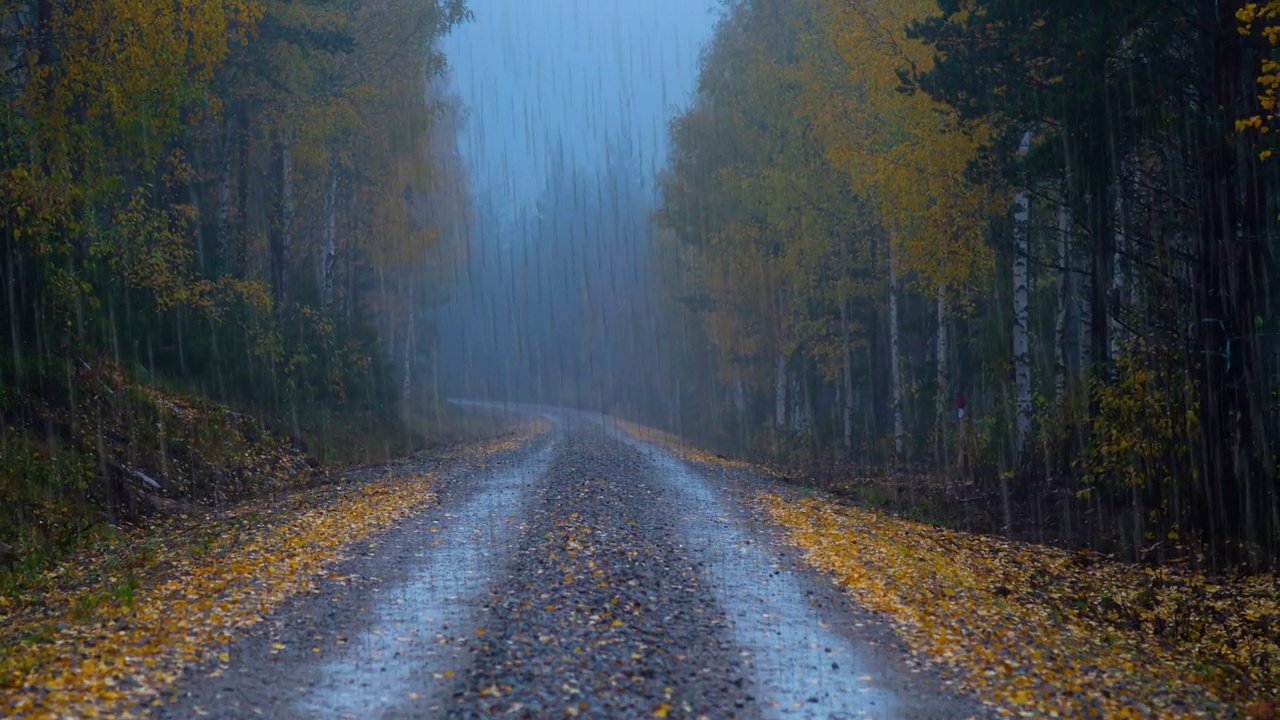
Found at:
(683, 449)
(89, 651)
(1044, 632)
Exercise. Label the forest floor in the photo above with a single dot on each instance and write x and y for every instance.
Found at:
(1034, 630)
(1050, 632)
(110, 627)
(575, 570)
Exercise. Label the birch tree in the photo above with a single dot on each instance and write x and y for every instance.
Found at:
(1021, 321)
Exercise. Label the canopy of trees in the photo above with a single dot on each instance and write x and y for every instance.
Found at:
(1026, 247)
(250, 200)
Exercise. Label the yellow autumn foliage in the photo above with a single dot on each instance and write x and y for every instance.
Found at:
(1264, 19)
(905, 151)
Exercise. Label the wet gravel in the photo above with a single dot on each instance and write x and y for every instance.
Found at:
(606, 616)
(377, 639)
(583, 575)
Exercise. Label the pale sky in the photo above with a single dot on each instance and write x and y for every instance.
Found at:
(585, 72)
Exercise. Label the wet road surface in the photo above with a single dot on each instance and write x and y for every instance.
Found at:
(586, 574)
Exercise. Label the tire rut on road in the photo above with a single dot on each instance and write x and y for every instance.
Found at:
(604, 614)
(376, 640)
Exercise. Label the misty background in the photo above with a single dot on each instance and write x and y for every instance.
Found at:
(566, 106)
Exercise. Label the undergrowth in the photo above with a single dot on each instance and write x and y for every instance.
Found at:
(97, 451)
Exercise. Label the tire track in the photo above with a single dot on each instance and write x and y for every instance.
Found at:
(386, 635)
(605, 615)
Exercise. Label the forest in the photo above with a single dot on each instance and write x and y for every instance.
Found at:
(1009, 264)
(997, 265)
(222, 224)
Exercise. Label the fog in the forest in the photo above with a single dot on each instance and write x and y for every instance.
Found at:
(567, 106)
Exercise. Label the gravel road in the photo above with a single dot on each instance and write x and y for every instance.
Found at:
(586, 574)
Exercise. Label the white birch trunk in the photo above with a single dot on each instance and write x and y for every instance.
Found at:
(223, 213)
(1117, 275)
(1064, 296)
(899, 431)
(1021, 325)
(328, 248)
(800, 420)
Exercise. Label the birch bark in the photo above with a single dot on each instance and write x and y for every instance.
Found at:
(328, 249)
(1021, 324)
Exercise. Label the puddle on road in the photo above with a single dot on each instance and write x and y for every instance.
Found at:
(807, 669)
(422, 624)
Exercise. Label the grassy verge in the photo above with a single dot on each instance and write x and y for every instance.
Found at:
(1049, 633)
(683, 449)
(1037, 631)
(341, 440)
(97, 451)
(112, 627)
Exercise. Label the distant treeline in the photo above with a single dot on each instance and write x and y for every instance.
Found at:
(250, 200)
(559, 302)
(1026, 246)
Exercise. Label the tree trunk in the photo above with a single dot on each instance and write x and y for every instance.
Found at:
(895, 350)
(793, 398)
(800, 420)
(12, 297)
(1232, 208)
(281, 233)
(1064, 297)
(223, 212)
(241, 259)
(328, 249)
(1021, 325)
(943, 379)
(45, 40)
(406, 386)
(1101, 279)
(780, 393)
(1084, 324)
(740, 408)
(808, 415)
(848, 380)
(286, 213)
(1117, 274)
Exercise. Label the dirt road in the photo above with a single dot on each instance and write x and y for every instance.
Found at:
(586, 574)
